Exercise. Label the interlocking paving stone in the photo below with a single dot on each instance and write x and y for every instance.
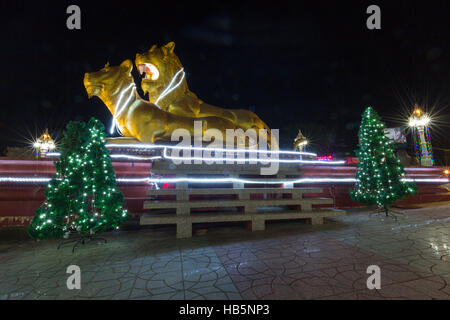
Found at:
(290, 260)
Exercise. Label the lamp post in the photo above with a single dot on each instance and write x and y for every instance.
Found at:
(419, 122)
(300, 141)
(44, 144)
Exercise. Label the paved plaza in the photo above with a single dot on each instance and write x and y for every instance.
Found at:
(290, 260)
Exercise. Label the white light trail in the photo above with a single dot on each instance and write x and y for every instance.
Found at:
(248, 181)
(25, 179)
(120, 108)
(166, 156)
(126, 156)
(223, 180)
(426, 180)
(171, 87)
(423, 169)
(115, 156)
(160, 146)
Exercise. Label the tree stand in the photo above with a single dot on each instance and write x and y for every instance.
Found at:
(388, 213)
(79, 240)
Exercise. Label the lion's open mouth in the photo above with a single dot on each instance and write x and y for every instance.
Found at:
(149, 71)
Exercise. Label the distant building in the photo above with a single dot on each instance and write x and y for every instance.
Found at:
(21, 153)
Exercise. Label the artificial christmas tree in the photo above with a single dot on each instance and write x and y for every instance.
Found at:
(82, 197)
(379, 174)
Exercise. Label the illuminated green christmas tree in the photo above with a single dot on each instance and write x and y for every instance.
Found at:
(82, 197)
(379, 174)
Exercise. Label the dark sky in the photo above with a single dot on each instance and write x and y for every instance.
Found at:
(311, 65)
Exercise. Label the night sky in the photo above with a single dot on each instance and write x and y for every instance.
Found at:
(310, 65)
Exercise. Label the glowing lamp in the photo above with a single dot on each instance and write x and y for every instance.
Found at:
(422, 121)
(44, 144)
(418, 112)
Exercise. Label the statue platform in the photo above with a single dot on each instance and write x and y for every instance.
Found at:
(225, 192)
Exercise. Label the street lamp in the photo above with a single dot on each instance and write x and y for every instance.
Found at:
(44, 144)
(419, 123)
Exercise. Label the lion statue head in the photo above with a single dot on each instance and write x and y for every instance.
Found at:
(109, 81)
(158, 66)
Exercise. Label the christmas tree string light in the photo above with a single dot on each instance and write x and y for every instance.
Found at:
(82, 196)
(379, 176)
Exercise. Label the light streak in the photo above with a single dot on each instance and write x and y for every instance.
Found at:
(166, 156)
(426, 180)
(25, 179)
(115, 156)
(160, 146)
(249, 181)
(170, 87)
(126, 156)
(222, 180)
(120, 108)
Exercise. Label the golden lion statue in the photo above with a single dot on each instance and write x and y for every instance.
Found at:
(139, 118)
(161, 67)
